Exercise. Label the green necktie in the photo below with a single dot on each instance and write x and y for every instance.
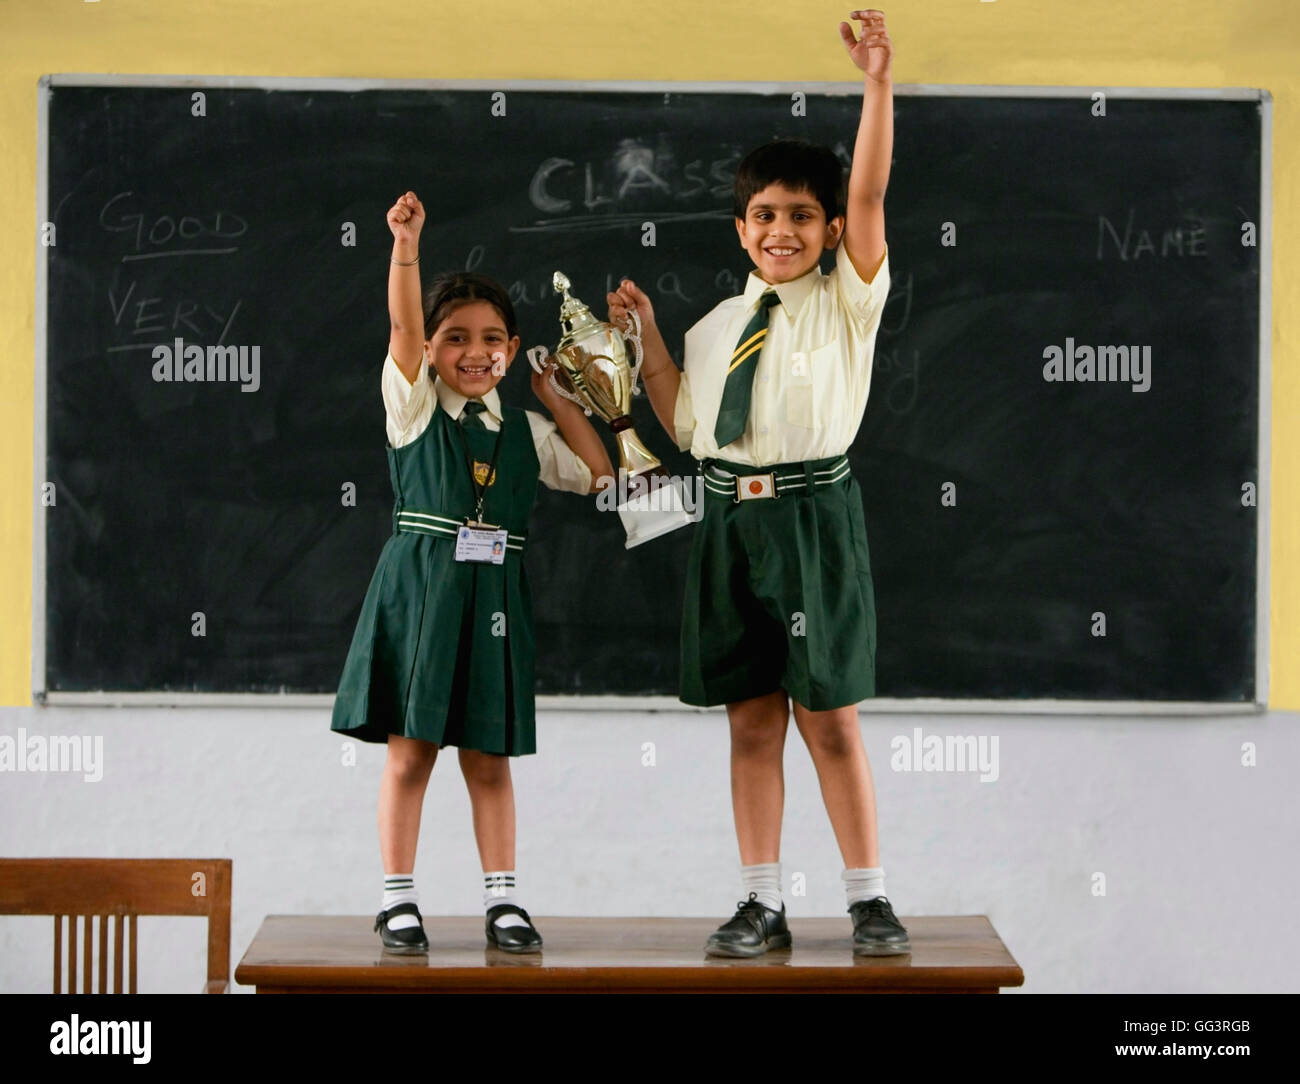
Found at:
(734, 411)
(469, 417)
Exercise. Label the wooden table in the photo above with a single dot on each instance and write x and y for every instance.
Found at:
(342, 954)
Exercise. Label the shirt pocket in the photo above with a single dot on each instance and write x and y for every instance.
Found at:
(808, 385)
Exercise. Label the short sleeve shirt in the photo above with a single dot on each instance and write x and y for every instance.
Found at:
(813, 373)
(409, 409)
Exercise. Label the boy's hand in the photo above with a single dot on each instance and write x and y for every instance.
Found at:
(629, 297)
(873, 52)
(406, 218)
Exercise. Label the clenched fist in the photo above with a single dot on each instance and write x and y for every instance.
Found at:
(406, 218)
(629, 297)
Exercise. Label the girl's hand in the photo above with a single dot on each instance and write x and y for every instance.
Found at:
(406, 218)
(873, 52)
(542, 385)
(629, 297)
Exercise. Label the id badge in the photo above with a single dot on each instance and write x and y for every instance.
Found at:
(481, 544)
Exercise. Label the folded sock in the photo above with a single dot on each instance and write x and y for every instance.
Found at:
(499, 887)
(863, 883)
(400, 888)
(764, 880)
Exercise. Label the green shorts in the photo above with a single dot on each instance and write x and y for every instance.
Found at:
(779, 595)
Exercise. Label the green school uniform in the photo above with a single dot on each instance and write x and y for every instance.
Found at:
(444, 650)
(779, 593)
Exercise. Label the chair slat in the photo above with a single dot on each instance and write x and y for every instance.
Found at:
(132, 969)
(103, 954)
(83, 888)
(117, 956)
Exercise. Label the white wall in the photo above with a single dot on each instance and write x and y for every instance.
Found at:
(1199, 852)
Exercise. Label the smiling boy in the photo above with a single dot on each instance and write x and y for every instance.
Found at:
(779, 599)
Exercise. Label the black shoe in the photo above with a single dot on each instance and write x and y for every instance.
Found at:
(753, 930)
(876, 932)
(409, 941)
(512, 938)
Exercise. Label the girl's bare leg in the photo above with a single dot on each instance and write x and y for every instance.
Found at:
(401, 797)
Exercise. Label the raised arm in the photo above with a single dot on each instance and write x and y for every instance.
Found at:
(864, 226)
(405, 307)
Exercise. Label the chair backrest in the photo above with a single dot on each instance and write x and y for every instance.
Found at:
(90, 888)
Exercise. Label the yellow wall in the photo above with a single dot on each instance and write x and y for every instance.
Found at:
(1188, 43)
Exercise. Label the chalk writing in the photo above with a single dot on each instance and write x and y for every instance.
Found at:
(902, 378)
(149, 315)
(153, 232)
(1184, 239)
(636, 175)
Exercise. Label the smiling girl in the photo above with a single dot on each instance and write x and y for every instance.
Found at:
(443, 649)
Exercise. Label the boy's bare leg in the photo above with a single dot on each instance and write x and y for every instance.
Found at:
(835, 743)
(758, 729)
(401, 797)
(492, 798)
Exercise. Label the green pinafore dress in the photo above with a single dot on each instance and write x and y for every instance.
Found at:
(443, 650)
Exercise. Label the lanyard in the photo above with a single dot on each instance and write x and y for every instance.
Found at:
(480, 491)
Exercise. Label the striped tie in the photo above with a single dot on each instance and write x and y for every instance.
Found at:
(469, 417)
(734, 411)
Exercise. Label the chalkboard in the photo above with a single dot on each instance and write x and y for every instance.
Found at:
(198, 539)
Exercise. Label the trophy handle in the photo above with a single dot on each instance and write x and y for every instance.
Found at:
(633, 335)
(537, 356)
(566, 394)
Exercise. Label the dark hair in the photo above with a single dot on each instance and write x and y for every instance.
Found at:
(451, 289)
(795, 163)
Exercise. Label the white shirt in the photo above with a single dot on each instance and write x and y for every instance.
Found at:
(409, 408)
(813, 373)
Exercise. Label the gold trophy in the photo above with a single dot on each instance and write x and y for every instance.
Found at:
(592, 370)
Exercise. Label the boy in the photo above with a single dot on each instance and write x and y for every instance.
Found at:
(779, 596)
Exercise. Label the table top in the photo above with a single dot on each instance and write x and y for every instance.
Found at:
(343, 952)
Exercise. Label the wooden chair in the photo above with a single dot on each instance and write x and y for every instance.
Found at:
(90, 888)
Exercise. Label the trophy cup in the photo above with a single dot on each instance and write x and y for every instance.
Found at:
(592, 370)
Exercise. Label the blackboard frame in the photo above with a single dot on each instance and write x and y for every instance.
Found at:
(42, 696)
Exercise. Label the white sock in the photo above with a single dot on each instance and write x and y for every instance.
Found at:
(400, 888)
(499, 887)
(764, 880)
(864, 883)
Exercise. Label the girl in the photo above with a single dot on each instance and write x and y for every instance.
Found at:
(443, 650)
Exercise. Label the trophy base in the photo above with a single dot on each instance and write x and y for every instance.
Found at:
(653, 514)
(634, 457)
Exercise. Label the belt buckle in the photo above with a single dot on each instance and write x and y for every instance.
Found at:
(747, 482)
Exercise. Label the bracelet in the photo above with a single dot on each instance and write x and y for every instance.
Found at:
(407, 263)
